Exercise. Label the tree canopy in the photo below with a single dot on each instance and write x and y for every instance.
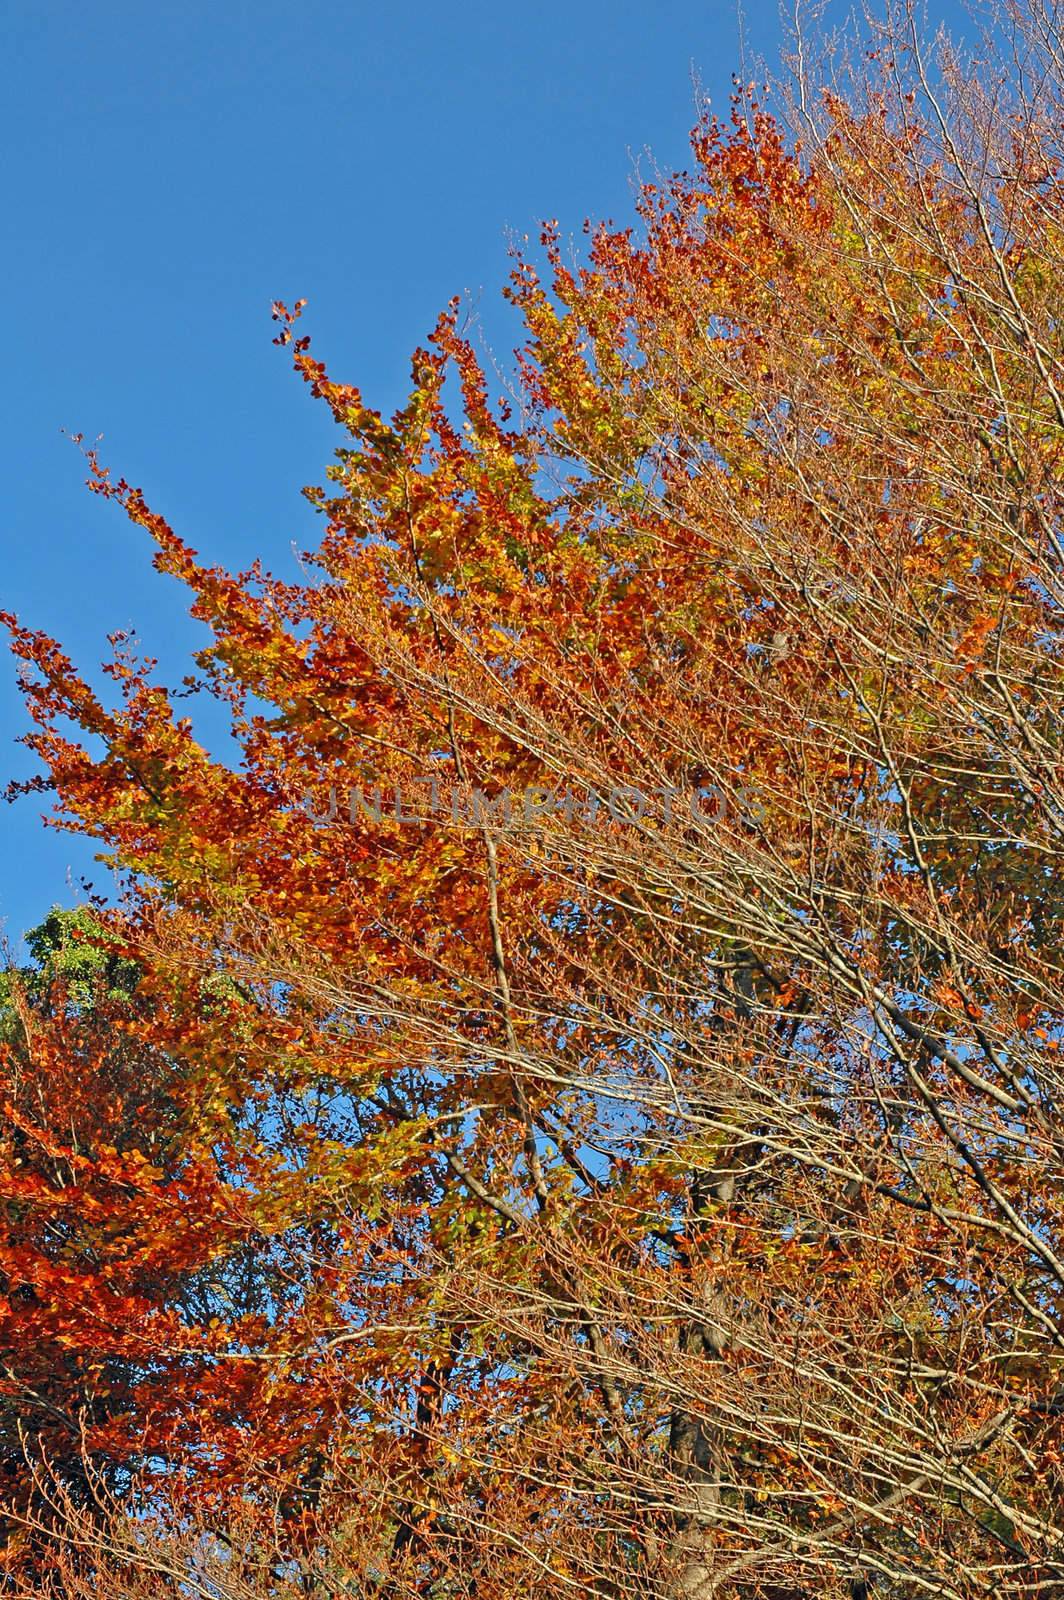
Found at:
(574, 1103)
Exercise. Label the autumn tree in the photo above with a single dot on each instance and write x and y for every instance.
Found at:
(637, 900)
(129, 1259)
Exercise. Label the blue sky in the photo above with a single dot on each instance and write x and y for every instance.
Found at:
(170, 168)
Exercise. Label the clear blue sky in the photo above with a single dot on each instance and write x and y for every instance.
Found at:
(171, 166)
